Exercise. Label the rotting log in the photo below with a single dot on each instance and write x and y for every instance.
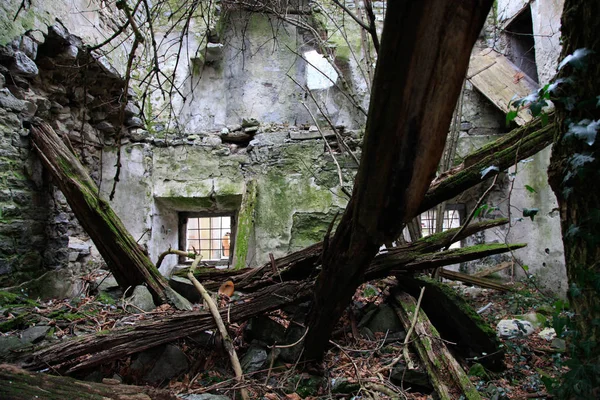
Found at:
(422, 62)
(516, 145)
(90, 350)
(446, 374)
(19, 384)
(87, 351)
(125, 258)
(457, 321)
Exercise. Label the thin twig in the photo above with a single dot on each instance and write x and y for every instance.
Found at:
(339, 169)
(235, 362)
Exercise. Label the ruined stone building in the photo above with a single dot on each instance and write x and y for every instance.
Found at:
(229, 152)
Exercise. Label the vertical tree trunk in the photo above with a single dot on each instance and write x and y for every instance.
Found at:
(574, 174)
(124, 257)
(424, 54)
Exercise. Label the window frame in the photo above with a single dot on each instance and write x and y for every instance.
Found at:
(183, 221)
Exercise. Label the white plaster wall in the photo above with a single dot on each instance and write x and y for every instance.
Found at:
(133, 195)
(544, 254)
(545, 16)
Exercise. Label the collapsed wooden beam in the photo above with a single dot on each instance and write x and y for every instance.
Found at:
(474, 280)
(412, 102)
(124, 257)
(447, 376)
(516, 145)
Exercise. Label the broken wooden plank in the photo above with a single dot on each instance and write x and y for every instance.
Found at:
(446, 374)
(500, 81)
(466, 278)
(494, 269)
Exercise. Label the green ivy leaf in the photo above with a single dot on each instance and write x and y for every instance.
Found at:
(525, 268)
(530, 212)
(480, 209)
(510, 116)
(530, 189)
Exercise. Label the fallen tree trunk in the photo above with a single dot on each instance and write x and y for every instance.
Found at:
(88, 351)
(23, 385)
(516, 145)
(446, 375)
(413, 98)
(118, 248)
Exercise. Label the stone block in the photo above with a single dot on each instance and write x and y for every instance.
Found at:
(23, 65)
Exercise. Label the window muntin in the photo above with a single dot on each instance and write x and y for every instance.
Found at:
(211, 236)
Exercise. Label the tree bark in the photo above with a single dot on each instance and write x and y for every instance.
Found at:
(425, 49)
(575, 184)
(19, 384)
(123, 255)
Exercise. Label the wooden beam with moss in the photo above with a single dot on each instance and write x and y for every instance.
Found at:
(124, 257)
(515, 146)
(447, 376)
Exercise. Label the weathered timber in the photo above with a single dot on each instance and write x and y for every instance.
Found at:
(446, 374)
(473, 280)
(18, 384)
(455, 256)
(412, 102)
(118, 248)
(494, 269)
(91, 350)
(456, 321)
(517, 145)
(303, 264)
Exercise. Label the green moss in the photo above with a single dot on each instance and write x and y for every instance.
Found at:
(105, 298)
(20, 322)
(7, 298)
(463, 305)
(245, 224)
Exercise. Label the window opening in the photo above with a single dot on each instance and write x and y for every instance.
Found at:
(521, 43)
(454, 214)
(211, 236)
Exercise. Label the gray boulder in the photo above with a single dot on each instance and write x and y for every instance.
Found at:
(141, 299)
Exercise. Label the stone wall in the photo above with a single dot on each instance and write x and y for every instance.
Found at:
(52, 80)
(284, 187)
